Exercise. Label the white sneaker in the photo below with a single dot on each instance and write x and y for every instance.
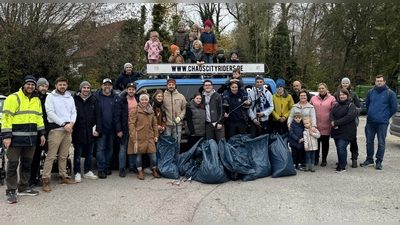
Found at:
(78, 178)
(90, 175)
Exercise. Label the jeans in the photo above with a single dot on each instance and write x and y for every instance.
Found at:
(105, 149)
(298, 155)
(213, 133)
(88, 157)
(341, 149)
(153, 160)
(380, 130)
(310, 157)
(171, 131)
(122, 156)
(209, 58)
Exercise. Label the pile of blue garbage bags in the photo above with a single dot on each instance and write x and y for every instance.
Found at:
(212, 163)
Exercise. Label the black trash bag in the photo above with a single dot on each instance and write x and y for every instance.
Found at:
(280, 156)
(167, 150)
(211, 170)
(235, 159)
(189, 161)
(257, 149)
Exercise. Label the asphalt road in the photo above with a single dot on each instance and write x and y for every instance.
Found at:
(357, 195)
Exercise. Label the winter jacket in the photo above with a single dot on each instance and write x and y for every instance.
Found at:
(354, 98)
(60, 108)
(174, 106)
(22, 119)
(197, 56)
(114, 101)
(267, 104)
(213, 105)
(209, 41)
(307, 110)
(153, 49)
(217, 59)
(343, 115)
(295, 134)
(142, 131)
(121, 117)
(237, 113)
(124, 79)
(181, 39)
(176, 59)
(282, 105)
(311, 141)
(322, 109)
(230, 57)
(195, 119)
(240, 82)
(88, 115)
(380, 106)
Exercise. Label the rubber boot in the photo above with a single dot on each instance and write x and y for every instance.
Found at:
(155, 173)
(140, 175)
(46, 185)
(312, 169)
(307, 168)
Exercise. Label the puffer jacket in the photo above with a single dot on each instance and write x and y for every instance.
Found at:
(181, 39)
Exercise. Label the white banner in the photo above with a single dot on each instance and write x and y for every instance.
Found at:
(213, 68)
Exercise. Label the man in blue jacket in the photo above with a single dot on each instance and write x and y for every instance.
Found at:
(381, 104)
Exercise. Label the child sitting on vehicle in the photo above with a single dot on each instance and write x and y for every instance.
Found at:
(235, 78)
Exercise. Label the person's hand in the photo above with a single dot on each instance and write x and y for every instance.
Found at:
(283, 119)
(95, 134)
(42, 140)
(119, 134)
(301, 140)
(7, 142)
(332, 123)
(184, 52)
(177, 120)
(160, 128)
(288, 126)
(155, 139)
(226, 115)
(260, 114)
(247, 102)
(256, 122)
(219, 126)
(68, 128)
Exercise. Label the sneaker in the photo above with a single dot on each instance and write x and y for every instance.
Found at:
(28, 192)
(378, 165)
(299, 167)
(90, 175)
(102, 174)
(367, 163)
(122, 172)
(11, 197)
(78, 178)
(340, 170)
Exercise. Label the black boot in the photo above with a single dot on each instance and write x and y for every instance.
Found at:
(354, 163)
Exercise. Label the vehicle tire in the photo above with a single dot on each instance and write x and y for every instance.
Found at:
(396, 118)
(398, 107)
(394, 127)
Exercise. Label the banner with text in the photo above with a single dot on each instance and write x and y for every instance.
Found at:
(205, 68)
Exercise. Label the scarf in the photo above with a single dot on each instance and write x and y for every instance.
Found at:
(147, 109)
(157, 104)
(197, 53)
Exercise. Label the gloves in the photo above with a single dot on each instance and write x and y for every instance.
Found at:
(184, 52)
(177, 120)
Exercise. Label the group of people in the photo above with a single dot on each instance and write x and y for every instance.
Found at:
(197, 46)
(35, 120)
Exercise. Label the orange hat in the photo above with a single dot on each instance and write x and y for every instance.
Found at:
(174, 48)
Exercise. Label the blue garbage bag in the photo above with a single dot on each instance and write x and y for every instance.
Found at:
(211, 170)
(235, 159)
(238, 140)
(189, 161)
(257, 149)
(167, 151)
(280, 156)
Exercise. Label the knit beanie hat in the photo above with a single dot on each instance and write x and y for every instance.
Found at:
(127, 64)
(171, 80)
(28, 78)
(347, 80)
(41, 82)
(280, 83)
(174, 48)
(220, 50)
(208, 23)
(181, 22)
(193, 35)
(84, 83)
(259, 77)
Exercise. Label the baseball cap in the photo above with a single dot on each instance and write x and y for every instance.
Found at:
(131, 85)
(105, 80)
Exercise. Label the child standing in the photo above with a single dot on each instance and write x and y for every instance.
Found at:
(153, 47)
(192, 38)
(311, 135)
(209, 41)
(296, 140)
(181, 39)
(235, 78)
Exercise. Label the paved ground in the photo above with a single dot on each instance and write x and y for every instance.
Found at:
(360, 194)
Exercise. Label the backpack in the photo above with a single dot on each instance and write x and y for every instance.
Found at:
(388, 92)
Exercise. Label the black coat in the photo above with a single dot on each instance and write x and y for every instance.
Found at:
(343, 114)
(121, 117)
(124, 79)
(88, 114)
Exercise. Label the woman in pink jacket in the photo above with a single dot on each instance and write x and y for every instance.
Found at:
(323, 104)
